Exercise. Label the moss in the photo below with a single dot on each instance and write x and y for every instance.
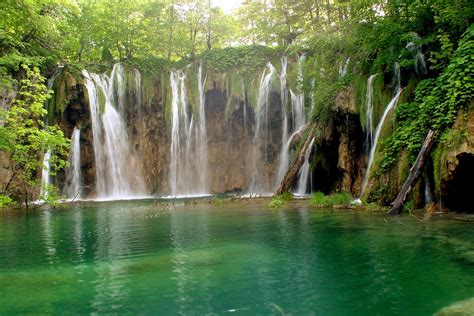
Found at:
(360, 88)
(147, 89)
(102, 100)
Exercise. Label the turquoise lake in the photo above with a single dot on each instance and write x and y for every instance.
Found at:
(239, 258)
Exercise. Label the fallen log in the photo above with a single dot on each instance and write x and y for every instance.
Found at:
(292, 172)
(415, 172)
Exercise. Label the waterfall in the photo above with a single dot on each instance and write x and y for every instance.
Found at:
(397, 77)
(116, 176)
(297, 110)
(298, 117)
(117, 79)
(285, 155)
(284, 151)
(418, 56)
(343, 68)
(45, 178)
(260, 141)
(73, 173)
(189, 162)
(369, 125)
(300, 76)
(304, 172)
(202, 159)
(390, 106)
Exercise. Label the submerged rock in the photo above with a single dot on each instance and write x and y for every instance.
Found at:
(461, 308)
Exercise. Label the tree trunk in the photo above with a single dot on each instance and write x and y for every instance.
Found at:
(415, 173)
(208, 37)
(292, 173)
(328, 9)
(170, 34)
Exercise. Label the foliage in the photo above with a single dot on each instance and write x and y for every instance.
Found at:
(28, 137)
(244, 59)
(435, 104)
(336, 199)
(278, 200)
(6, 201)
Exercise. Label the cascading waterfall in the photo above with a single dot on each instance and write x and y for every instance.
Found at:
(202, 160)
(189, 162)
(397, 77)
(117, 79)
(285, 155)
(390, 106)
(297, 109)
(369, 125)
(304, 172)
(73, 173)
(298, 117)
(45, 178)
(284, 152)
(418, 56)
(116, 177)
(343, 68)
(260, 141)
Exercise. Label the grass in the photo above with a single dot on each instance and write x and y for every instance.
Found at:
(335, 199)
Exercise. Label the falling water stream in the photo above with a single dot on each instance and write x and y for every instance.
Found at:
(116, 176)
(260, 140)
(45, 178)
(73, 173)
(189, 162)
(369, 115)
(304, 172)
(298, 117)
(389, 108)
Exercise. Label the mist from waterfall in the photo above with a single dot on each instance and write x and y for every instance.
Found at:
(189, 161)
(73, 188)
(117, 173)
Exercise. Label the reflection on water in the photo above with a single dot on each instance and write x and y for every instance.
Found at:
(48, 236)
(113, 242)
(191, 253)
(137, 258)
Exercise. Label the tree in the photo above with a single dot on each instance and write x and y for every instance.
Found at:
(25, 137)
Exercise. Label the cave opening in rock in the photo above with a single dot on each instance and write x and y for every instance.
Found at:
(459, 188)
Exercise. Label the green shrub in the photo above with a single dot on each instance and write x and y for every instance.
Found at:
(6, 201)
(319, 199)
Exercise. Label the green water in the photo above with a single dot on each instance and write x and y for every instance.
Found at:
(138, 258)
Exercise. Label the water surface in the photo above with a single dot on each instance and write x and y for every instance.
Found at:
(141, 257)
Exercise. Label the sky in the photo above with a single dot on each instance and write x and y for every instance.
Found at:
(227, 5)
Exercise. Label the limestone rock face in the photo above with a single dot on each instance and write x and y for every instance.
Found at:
(339, 164)
(457, 165)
